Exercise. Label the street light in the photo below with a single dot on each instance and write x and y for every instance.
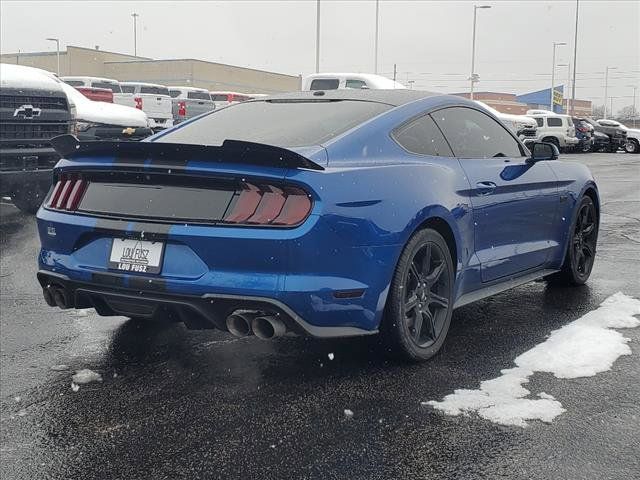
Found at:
(606, 87)
(553, 72)
(57, 40)
(135, 33)
(566, 87)
(474, 77)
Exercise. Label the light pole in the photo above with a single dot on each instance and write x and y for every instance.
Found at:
(135, 33)
(566, 87)
(606, 87)
(317, 36)
(553, 72)
(375, 63)
(575, 58)
(57, 40)
(474, 78)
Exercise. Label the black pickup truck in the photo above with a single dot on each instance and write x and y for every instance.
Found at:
(33, 110)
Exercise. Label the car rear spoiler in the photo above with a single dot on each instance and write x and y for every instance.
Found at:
(231, 151)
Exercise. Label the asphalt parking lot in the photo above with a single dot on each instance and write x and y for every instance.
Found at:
(180, 404)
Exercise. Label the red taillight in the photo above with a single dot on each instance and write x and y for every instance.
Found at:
(230, 97)
(269, 205)
(182, 109)
(138, 101)
(67, 193)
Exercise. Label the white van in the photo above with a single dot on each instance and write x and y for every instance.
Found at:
(152, 99)
(335, 81)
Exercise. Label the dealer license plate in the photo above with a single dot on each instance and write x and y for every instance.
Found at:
(136, 256)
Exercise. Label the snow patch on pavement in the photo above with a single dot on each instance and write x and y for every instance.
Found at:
(86, 376)
(583, 348)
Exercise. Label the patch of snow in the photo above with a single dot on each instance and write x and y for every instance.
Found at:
(331, 356)
(86, 376)
(17, 399)
(82, 312)
(582, 348)
(75, 387)
(348, 413)
(22, 412)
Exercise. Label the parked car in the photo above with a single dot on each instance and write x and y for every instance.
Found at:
(584, 134)
(555, 128)
(335, 81)
(632, 145)
(617, 137)
(189, 102)
(106, 121)
(152, 99)
(524, 127)
(33, 109)
(223, 99)
(340, 216)
(97, 88)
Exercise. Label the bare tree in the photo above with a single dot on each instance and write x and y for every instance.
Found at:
(597, 111)
(627, 113)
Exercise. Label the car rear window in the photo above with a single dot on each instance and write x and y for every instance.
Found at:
(324, 84)
(198, 95)
(174, 93)
(74, 83)
(219, 97)
(128, 89)
(155, 90)
(284, 123)
(114, 87)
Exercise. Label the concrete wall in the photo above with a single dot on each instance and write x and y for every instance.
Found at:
(197, 73)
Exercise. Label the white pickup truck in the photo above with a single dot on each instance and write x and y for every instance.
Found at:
(152, 99)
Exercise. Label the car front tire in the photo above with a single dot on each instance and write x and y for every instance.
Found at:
(420, 302)
(632, 146)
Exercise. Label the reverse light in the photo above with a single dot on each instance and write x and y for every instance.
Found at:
(269, 205)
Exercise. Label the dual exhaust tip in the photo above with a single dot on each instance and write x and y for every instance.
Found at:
(242, 323)
(56, 297)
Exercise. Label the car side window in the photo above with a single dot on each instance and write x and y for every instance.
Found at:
(324, 84)
(128, 89)
(357, 84)
(174, 93)
(423, 137)
(473, 134)
(540, 122)
(554, 122)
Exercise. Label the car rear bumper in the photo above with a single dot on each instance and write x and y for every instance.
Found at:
(145, 299)
(325, 288)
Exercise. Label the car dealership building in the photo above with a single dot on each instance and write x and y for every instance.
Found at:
(213, 76)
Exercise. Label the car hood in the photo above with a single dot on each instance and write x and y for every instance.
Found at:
(19, 76)
(103, 112)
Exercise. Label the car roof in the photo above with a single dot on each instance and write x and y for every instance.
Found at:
(394, 97)
(188, 89)
(142, 84)
(91, 79)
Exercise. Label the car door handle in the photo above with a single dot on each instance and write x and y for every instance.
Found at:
(485, 188)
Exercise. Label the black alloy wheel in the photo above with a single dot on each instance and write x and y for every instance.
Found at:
(581, 250)
(421, 298)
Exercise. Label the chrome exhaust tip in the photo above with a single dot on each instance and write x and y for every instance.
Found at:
(239, 322)
(267, 327)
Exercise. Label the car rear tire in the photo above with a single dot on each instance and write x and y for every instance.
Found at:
(632, 146)
(420, 302)
(581, 250)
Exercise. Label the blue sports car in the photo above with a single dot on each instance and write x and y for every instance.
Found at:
(327, 214)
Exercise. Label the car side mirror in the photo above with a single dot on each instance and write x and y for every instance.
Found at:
(543, 151)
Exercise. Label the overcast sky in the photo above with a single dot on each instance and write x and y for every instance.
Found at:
(429, 41)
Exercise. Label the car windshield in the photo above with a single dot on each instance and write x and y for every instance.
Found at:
(281, 123)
